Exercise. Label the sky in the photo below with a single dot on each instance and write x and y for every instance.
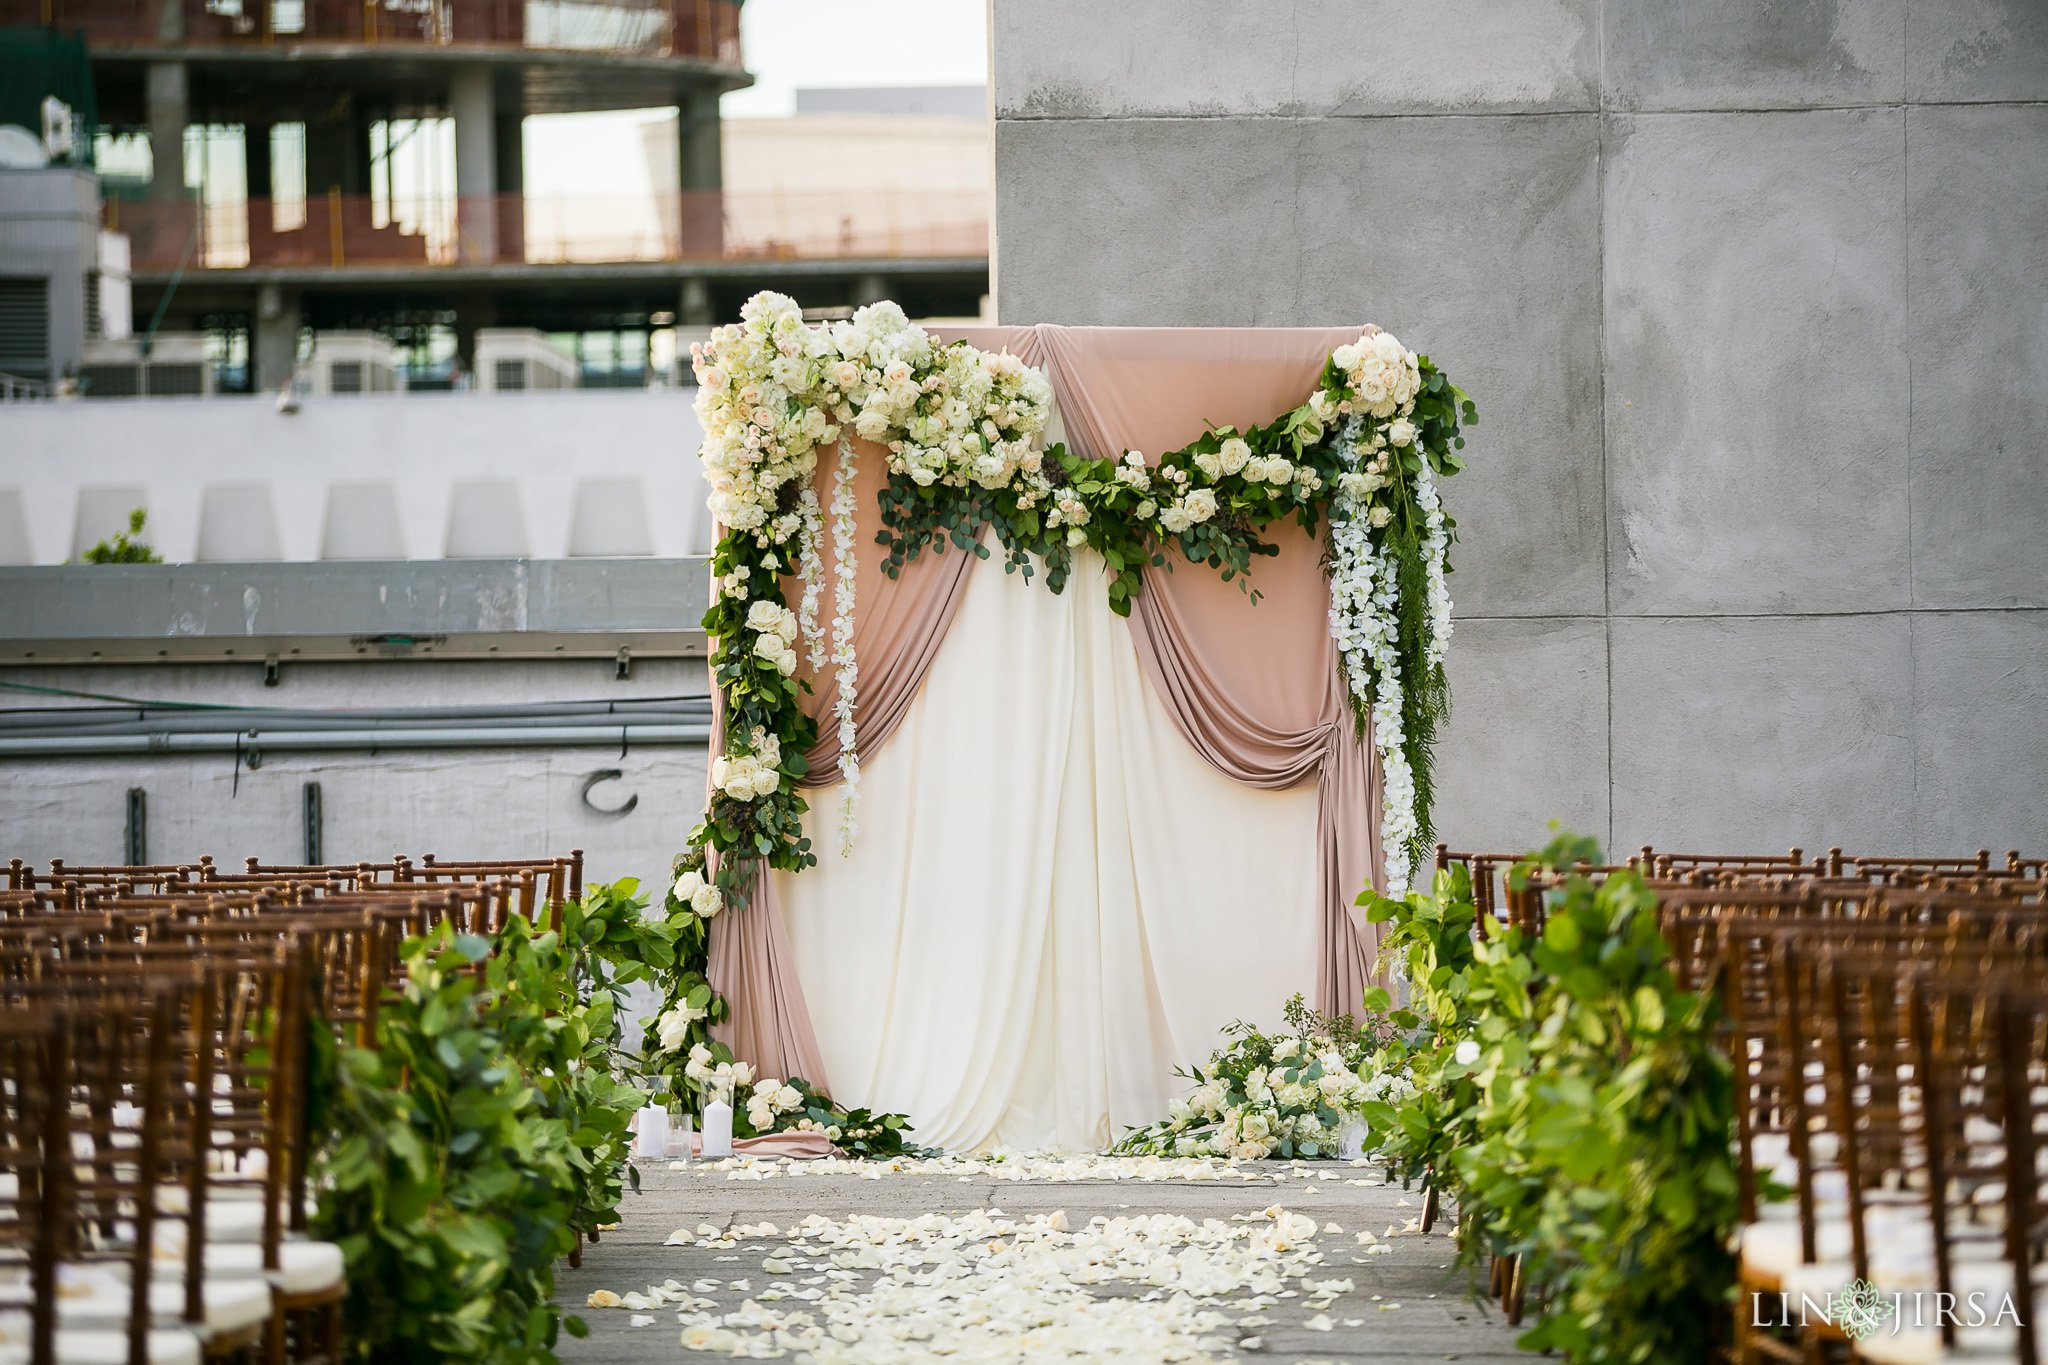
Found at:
(791, 43)
(788, 43)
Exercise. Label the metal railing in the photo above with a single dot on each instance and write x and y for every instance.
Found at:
(338, 231)
(702, 30)
(15, 389)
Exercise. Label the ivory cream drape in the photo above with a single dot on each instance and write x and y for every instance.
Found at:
(1083, 847)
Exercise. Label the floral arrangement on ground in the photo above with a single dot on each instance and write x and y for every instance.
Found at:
(1287, 1095)
(960, 431)
(685, 1065)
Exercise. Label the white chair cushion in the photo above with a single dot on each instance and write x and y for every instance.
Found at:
(95, 1295)
(1770, 1246)
(80, 1346)
(305, 1267)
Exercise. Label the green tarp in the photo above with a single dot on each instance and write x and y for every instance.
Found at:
(36, 63)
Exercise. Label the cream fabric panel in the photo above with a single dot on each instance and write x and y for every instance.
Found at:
(1052, 898)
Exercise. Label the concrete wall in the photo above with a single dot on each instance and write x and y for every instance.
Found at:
(423, 476)
(469, 803)
(1753, 301)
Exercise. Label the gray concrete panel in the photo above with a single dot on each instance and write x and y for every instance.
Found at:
(1476, 241)
(1734, 735)
(1978, 336)
(1756, 362)
(337, 609)
(487, 804)
(1527, 740)
(1966, 50)
(1753, 54)
(1980, 703)
(1161, 221)
(1074, 59)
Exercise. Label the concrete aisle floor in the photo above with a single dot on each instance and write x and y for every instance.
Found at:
(1435, 1320)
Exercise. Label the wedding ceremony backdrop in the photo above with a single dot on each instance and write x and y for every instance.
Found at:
(1751, 299)
(1050, 857)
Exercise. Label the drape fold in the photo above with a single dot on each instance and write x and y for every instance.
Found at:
(1254, 689)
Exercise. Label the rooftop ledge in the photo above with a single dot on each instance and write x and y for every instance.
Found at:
(460, 608)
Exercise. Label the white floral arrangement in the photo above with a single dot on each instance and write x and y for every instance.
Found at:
(1377, 440)
(1285, 1095)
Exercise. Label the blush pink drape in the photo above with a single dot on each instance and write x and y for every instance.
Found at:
(1255, 689)
(898, 625)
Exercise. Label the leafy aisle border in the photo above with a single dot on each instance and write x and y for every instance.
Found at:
(960, 428)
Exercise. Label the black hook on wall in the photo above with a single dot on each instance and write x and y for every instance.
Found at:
(591, 779)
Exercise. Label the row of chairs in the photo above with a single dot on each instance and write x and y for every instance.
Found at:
(159, 1049)
(1888, 1023)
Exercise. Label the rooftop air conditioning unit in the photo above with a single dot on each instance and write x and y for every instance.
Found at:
(512, 359)
(347, 363)
(177, 367)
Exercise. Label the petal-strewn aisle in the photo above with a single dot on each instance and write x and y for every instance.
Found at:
(1131, 1259)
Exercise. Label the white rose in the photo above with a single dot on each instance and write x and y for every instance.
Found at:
(1400, 431)
(1210, 463)
(707, 902)
(688, 885)
(1200, 504)
(674, 1026)
(1380, 516)
(1076, 536)
(1235, 454)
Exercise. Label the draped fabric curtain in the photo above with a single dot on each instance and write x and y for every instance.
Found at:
(898, 624)
(1254, 687)
(1252, 691)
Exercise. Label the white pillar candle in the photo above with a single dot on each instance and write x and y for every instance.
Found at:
(650, 1137)
(717, 1130)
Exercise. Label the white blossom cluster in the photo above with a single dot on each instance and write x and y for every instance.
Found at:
(756, 439)
(772, 630)
(769, 1098)
(716, 1077)
(753, 772)
(673, 1027)
(698, 892)
(1384, 374)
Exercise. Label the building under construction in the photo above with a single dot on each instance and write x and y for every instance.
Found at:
(359, 165)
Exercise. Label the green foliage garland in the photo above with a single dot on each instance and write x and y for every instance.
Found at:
(468, 1149)
(1579, 1105)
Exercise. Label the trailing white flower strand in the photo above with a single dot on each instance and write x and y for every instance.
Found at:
(1364, 627)
(811, 575)
(1436, 563)
(845, 666)
(1365, 608)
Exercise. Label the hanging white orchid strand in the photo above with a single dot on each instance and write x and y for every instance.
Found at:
(1365, 625)
(811, 575)
(846, 667)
